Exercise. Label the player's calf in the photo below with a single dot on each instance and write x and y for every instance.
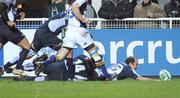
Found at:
(98, 60)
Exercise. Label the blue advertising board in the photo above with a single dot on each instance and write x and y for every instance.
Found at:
(155, 49)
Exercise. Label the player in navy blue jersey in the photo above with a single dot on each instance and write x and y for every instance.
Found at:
(45, 36)
(9, 31)
(127, 70)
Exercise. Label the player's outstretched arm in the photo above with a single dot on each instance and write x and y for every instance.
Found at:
(146, 79)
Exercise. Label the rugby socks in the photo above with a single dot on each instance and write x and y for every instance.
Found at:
(50, 60)
(11, 63)
(104, 71)
(22, 57)
(99, 62)
(71, 68)
(7, 65)
(100, 65)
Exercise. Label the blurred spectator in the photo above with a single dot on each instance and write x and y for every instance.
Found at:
(111, 9)
(41, 8)
(36, 8)
(115, 9)
(133, 3)
(148, 9)
(55, 6)
(90, 11)
(162, 3)
(172, 8)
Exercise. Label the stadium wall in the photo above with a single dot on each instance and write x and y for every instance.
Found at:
(155, 49)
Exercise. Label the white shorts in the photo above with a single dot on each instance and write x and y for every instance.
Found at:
(77, 36)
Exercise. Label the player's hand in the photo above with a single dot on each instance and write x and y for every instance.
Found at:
(86, 20)
(11, 24)
(21, 15)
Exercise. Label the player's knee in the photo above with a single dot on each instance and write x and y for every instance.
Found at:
(27, 46)
(24, 43)
(59, 57)
(63, 52)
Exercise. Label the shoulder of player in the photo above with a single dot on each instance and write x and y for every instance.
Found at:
(128, 69)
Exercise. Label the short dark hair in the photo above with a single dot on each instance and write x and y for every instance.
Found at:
(130, 59)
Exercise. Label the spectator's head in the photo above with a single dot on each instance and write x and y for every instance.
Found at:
(132, 62)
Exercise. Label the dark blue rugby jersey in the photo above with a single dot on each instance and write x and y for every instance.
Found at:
(124, 71)
(56, 23)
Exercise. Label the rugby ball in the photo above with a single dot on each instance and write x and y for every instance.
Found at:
(164, 75)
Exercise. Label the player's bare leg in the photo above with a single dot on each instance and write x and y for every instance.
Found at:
(24, 44)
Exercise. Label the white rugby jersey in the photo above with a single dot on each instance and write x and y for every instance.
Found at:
(72, 20)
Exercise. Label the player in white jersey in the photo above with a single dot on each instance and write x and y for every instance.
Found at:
(77, 35)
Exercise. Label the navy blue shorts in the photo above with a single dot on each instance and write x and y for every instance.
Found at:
(44, 38)
(13, 35)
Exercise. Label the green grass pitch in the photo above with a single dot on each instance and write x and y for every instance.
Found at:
(90, 89)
